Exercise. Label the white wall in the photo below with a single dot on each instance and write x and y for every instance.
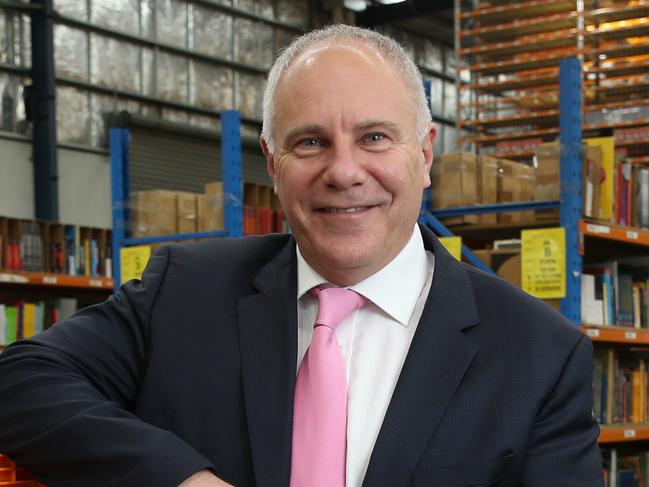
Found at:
(84, 188)
(84, 184)
(16, 178)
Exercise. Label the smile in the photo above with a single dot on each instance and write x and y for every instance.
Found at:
(344, 210)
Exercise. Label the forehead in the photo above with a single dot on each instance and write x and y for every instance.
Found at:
(339, 56)
(341, 79)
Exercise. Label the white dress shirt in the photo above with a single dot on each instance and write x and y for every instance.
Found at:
(374, 340)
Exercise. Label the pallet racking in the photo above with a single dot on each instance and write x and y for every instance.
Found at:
(508, 58)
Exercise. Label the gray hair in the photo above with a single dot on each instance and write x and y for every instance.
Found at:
(387, 46)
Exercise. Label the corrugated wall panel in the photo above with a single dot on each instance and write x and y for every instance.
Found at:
(162, 159)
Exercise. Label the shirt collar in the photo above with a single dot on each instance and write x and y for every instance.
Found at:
(395, 288)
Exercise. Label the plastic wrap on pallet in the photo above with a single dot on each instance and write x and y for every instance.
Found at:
(449, 61)
(249, 132)
(205, 122)
(72, 115)
(10, 91)
(115, 64)
(122, 15)
(431, 56)
(282, 39)
(146, 19)
(211, 86)
(292, 11)
(4, 44)
(22, 42)
(249, 94)
(71, 52)
(72, 8)
(450, 106)
(147, 72)
(166, 212)
(450, 139)
(174, 116)
(172, 77)
(254, 42)
(212, 32)
(171, 22)
(259, 7)
(436, 95)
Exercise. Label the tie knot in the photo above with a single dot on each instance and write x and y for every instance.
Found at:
(335, 304)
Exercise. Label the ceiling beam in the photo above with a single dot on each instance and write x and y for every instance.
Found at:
(380, 14)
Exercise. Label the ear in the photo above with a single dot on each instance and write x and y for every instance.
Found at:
(427, 152)
(270, 160)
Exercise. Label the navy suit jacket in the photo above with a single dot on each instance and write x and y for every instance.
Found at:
(195, 367)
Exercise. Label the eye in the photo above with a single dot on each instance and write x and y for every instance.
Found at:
(309, 142)
(375, 137)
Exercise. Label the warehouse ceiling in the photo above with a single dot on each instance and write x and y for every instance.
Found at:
(426, 17)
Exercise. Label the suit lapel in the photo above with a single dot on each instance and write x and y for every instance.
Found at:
(436, 362)
(268, 340)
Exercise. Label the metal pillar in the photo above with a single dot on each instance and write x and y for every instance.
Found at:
(43, 112)
(231, 171)
(570, 76)
(119, 146)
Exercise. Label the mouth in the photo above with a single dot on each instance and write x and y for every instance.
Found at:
(354, 209)
(350, 210)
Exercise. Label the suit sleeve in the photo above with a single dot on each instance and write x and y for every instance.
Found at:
(68, 396)
(563, 448)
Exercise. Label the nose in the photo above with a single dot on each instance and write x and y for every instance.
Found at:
(344, 168)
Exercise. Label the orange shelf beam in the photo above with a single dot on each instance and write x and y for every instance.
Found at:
(614, 232)
(623, 433)
(616, 334)
(55, 280)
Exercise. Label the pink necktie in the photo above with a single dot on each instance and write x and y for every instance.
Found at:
(320, 407)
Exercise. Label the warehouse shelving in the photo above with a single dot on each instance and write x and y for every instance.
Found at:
(507, 59)
(23, 278)
(232, 188)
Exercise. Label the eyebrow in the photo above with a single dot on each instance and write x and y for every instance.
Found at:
(379, 124)
(301, 130)
(315, 129)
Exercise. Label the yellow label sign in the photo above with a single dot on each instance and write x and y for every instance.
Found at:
(453, 245)
(133, 261)
(543, 262)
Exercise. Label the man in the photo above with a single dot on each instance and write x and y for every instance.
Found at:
(451, 377)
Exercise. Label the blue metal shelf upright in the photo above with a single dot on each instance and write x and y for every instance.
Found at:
(570, 203)
(232, 189)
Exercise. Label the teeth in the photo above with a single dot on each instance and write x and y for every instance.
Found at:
(344, 210)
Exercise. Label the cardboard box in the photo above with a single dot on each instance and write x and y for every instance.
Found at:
(209, 207)
(516, 183)
(507, 265)
(186, 212)
(153, 213)
(488, 187)
(591, 181)
(455, 184)
(548, 179)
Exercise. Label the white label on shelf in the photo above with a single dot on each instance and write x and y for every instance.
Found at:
(13, 278)
(629, 433)
(50, 279)
(592, 333)
(95, 283)
(592, 228)
(631, 335)
(633, 235)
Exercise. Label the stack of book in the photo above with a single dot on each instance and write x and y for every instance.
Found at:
(625, 469)
(615, 293)
(620, 386)
(631, 192)
(25, 319)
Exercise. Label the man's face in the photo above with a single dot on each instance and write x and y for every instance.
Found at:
(348, 168)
